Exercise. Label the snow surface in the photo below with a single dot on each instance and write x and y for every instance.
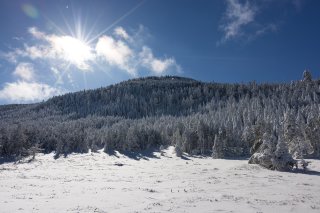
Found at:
(97, 182)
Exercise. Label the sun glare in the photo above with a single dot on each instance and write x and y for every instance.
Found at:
(75, 44)
(74, 50)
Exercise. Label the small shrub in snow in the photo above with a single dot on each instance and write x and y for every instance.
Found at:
(304, 164)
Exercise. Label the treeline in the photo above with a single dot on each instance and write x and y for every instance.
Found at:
(223, 120)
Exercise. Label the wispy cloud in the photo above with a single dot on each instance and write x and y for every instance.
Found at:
(24, 92)
(298, 4)
(126, 55)
(64, 48)
(117, 50)
(119, 31)
(265, 29)
(63, 55)
(241, 19)
(237, 16)
(26, 88)
(37, 34)
(25, 71)
(54, 49)
(58, 75)
(156, 65)
(13, 55)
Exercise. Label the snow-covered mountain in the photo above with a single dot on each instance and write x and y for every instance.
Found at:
(226, 120)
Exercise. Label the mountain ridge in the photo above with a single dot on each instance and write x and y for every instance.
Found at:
(223, 120)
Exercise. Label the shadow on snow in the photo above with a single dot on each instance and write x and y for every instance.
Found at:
(145, 155)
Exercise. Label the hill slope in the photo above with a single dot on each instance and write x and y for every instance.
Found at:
(146, 112)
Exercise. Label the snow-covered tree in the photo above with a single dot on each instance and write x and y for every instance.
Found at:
(147, 112)
(218, 149)
(295, 136)
(312, 132)
(178, 150)
(266, 151)
(307, 77)
(282, 159)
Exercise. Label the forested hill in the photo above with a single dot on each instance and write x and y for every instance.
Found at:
(153, 111)
(137, 98)
(145, 97)
(153, 96)
(157, 96)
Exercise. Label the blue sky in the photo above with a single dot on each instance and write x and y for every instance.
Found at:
(53, 47)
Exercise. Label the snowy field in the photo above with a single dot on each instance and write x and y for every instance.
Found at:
(97, 182)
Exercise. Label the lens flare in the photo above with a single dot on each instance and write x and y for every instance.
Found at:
(30, 11)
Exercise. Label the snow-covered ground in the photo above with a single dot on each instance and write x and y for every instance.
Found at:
(97, 182)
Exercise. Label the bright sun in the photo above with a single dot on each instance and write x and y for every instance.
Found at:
(74, 50)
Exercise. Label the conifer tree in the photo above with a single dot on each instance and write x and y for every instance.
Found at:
(282, 160)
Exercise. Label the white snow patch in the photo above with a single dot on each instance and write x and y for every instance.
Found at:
(97, 182)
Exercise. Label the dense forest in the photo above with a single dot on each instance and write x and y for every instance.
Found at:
(272, 123)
